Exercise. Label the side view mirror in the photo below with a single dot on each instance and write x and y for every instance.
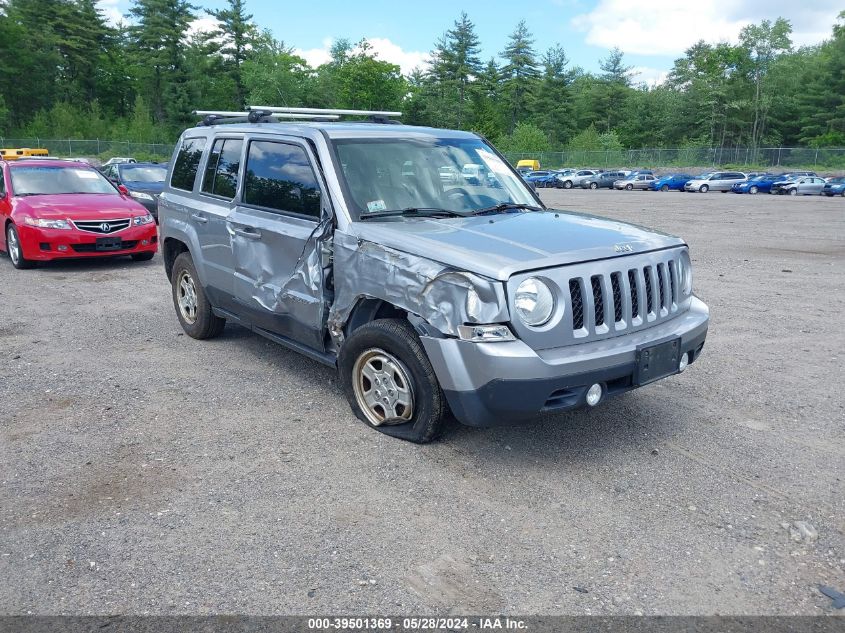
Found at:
(123, 190)
(2, 195)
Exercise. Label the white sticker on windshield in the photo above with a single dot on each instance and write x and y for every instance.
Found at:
(493, 162)
(376, 205)
(84, 173)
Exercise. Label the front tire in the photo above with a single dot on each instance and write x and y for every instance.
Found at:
(664, 188)
(567, 184)
(753, 190)
(192, 307)
(793, 192)
(390, 383)
(703, 189)
(629, 187)
(15, 250)
(594, 185)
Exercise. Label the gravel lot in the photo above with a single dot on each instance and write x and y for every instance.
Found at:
(144, 472)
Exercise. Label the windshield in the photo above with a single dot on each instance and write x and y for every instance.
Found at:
(394, 174)
(706, 176)
(837, 179)
(145, 173)
(32, 181)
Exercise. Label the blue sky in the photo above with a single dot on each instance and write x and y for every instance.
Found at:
(652, 33)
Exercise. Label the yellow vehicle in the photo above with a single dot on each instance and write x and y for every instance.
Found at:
(23, 152)
(528, 165)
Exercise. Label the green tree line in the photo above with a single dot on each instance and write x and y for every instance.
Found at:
(68, 73)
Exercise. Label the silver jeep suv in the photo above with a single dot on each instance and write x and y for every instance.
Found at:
(342, 241)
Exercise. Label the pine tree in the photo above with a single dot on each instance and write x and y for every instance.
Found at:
(236, 34)
(520, 73)
(157, 38)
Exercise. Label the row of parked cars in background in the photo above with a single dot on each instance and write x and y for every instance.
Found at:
(788, 183)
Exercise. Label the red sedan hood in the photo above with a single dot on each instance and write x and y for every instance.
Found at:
(81, 206)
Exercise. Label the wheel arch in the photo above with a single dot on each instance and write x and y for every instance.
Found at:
(171, 248)
(369, 309)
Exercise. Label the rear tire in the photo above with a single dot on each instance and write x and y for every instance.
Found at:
(142, 257)
(392, 349)
(192, 307)
(15, 250)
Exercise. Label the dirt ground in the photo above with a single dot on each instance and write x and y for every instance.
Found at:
(142, 471)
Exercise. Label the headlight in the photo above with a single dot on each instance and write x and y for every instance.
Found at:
(142, 219)
(534, 302)
(685, 273)
(140, 195)
(47, 224)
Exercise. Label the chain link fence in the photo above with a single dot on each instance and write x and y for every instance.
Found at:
(779, 158)
(94, 148)
(656, 158)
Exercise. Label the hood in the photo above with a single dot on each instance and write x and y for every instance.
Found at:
(498, 246)
(146, 187)
(80, 206)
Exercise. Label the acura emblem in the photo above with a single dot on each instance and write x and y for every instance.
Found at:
(105, 227)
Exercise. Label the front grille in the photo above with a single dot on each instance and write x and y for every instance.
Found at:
(617, 296)
(91, 248)
(636, 296)
(577, 304)
(102, 227)
(649, 296)
(598, 300)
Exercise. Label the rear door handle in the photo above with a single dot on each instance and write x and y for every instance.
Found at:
(250, 234)
(199, 217)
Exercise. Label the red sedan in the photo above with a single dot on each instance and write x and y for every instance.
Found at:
(58, 209)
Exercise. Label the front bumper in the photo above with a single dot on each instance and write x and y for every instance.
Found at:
(47, 244)
(491, 384)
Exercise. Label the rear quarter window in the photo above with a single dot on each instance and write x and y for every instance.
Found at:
(187, 163)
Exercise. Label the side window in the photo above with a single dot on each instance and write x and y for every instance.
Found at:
(2, 181)
(187, 163)
(224, 163)
(279, 176)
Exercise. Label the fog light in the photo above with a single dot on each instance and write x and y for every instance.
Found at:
(62, 247)
(684, 362)
(594, 395)
(144, 242)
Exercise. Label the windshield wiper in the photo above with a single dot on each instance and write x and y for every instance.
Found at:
(506, 206)
(418, 212)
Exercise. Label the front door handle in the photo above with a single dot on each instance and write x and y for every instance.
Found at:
(250, 234)
(199, 217)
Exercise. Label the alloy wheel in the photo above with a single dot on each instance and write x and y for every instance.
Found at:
(383, 388)
(187, 297)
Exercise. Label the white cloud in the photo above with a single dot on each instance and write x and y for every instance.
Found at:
(111, 10)
(669, 27)
(316, 56)
(649, 76)
(393, 53)
(203, 24)
(382, 48)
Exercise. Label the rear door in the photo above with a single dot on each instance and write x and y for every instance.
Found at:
(277, 230)
(210, 214)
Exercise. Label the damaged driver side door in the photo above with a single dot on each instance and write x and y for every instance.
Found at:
(277, 228)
